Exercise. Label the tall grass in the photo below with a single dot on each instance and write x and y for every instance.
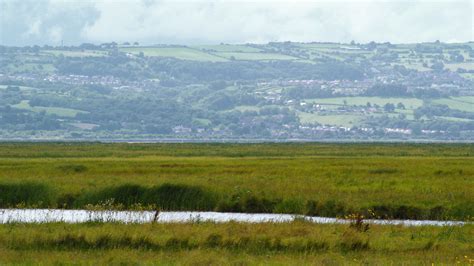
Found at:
(176, 197)
(89, 149)
(436, 244)
(179, 197)
(26, 194)
(419, 181)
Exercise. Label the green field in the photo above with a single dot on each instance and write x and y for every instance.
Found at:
(228, 48)
(463, 103)
(256, 56)
(468, 75)
(244, 108)
(455, 66)
(184, 53)
(63, 112)
(410, 103)
(296, 243)
(343, 120)
(403, 181)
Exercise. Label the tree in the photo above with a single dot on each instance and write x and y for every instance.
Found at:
(218, 85)
(438, 66)
(389, 107)
(457, 58)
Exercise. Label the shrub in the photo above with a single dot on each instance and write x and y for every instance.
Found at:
(408, 212)
(66, 201)
(125, 195)
(252, 204)
(312, 208)
(180, 197)
(332, 208)
(28, 194)
(293, 206)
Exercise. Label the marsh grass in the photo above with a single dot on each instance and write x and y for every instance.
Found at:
(392, 181)
(26, 194)
(179, 197)
(295, 239)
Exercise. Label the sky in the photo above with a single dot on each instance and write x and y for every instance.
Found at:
(40, 22)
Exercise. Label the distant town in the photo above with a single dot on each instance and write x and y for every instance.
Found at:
(276, 91)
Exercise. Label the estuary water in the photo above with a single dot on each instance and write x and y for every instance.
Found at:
(82, 216)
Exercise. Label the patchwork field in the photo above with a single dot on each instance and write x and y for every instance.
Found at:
(410, 103)
(228, 48)
(255, 56)
(64, 112)
(465, 103)
(184, 53)
(343, 120)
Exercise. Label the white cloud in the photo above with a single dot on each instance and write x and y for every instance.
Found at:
(55, 33)
(240, 21)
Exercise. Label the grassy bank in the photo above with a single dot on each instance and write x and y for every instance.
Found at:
(234, 243)
(415, 181)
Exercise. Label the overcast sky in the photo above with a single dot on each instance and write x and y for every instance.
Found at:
(27, 22)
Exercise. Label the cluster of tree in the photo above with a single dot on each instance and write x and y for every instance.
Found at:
(195, 71)
(429, 48)
(18, 120)
(432, 110)
(174, 72)
(10, 95)
(450, 127)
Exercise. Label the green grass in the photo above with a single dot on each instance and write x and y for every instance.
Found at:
(244, 108)
(59, 111)
(296, 243)
(184, 53)
(228, 48)
(413, 65)
(397, 180)
(256, 56)
(468, 75)
(455, 66)
(463, 103)
(410, 103)
(345, 120)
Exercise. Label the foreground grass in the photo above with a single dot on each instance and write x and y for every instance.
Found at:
(416, 181)
(294, 243)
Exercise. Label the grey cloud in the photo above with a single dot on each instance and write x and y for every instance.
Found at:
(166, 21)
(28, 22)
